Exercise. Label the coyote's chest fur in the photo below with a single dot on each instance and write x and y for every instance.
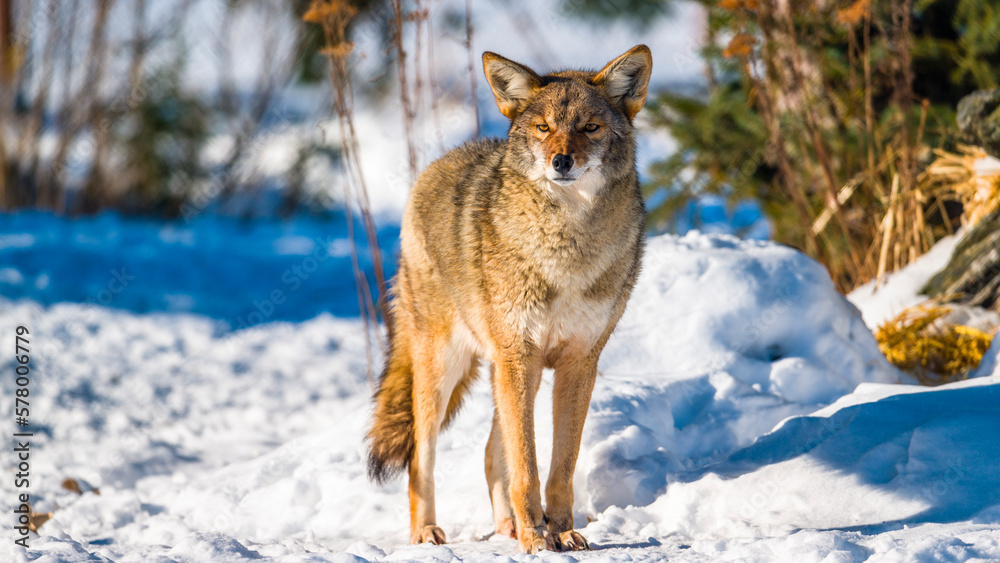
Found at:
(568, 320)
(569, 260)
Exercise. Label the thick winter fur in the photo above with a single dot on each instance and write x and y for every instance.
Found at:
(523, 253)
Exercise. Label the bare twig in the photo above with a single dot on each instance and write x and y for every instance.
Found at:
(404, 89)
(473, 98)
(902, 90)
(418, 16)
(434, 86)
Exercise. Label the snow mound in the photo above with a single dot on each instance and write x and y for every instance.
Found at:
(764, 312)
(723, 339)
(928, 455)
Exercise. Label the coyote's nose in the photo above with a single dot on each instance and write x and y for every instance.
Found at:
(562, 163)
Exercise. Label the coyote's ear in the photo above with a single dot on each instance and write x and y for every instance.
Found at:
(513, 84)
(626, 79)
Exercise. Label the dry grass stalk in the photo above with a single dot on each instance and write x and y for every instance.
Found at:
(920, 343)
(333, 16)
(887, 225)
(970, 176)
(858, 229)
(903, 228)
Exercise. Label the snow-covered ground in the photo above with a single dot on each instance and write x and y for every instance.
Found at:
(744, 413)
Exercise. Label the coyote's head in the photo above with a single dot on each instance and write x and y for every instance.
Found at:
(571, 128)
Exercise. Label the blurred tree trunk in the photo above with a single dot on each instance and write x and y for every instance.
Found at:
(29, 150)
(6, 41)
(972, 276)
(94, 195)
(6, 80)
(979, 120)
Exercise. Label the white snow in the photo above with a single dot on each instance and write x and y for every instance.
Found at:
(728, 424)
(990, 364)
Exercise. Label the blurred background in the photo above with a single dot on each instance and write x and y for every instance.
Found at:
(202, 155)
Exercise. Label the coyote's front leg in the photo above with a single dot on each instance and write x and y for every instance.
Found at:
(515, 384)
(574, 383)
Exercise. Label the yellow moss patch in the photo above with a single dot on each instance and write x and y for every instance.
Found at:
(933, 351)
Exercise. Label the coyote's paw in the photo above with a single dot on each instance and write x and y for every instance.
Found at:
(571, 541)
(533, 540)
(506, 528)
(428, 534)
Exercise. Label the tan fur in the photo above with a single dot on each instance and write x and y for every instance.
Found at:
(513, 257)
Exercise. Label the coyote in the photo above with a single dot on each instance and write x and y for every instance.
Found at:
(522, 252)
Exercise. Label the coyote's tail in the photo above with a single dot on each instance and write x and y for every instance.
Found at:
(390, 440)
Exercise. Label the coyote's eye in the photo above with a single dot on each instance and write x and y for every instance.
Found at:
(591, 127)
(543, 128)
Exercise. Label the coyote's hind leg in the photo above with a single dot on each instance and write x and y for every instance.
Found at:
(496, 479)
(439, 366)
